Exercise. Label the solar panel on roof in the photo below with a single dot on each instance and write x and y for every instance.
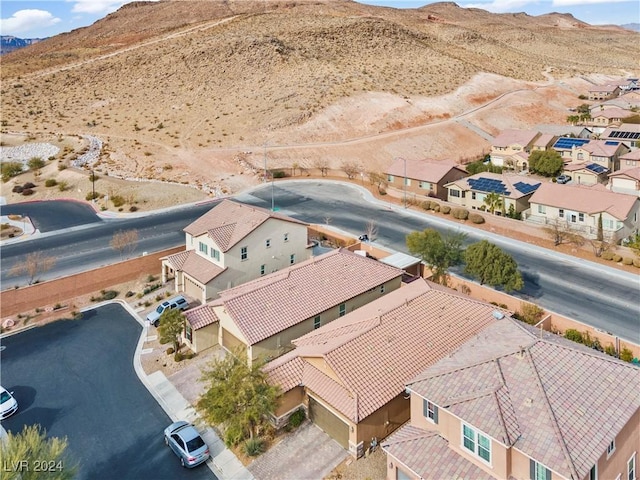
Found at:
(594, 167)
(488, 185)
(636, 135)
(611, 143)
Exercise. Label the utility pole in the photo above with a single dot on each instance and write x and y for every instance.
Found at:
(93, 186)
(405, 182)
(265, 163)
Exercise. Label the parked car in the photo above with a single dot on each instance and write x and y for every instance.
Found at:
(563, 179)
(185, 441)
(8, 404)
(178, 302)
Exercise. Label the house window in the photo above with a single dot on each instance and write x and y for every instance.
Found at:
(581, 217)
(631, 467)
(244, 254)
(473, 195)
(593, 473)
(611, 448)
(215, 254)
(476, 443)
(342, 309)
(267, 243)
(292, 258)
(390, 178)
(316, 322)
(573, 218)
(286, 237)
(454, 193)
(407, 182)
(561, 213)
(188, 333)
(382, 288)
(203, 248)
(542, 209)
(426, 185)
(429, 410)
(262, 269)
(537, 471)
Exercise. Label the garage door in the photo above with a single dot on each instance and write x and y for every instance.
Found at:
(192, 289)
(231, 342)
(327, 421)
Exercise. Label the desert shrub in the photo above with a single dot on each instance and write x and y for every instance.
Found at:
(607, 255)
(170, 351)
(610, 350)
(531, 313)
(151, 278)
(159, 297)
(62, 166)
(460, 213)
(636, 262)
(189, 355)
(129, 294)
(627, 261)
(93, 177)
(17, 189)
(433, 205)
(254, 447)
(279, 174)
(573, 335)
(28, 191)
(29, 185)
(476, 218)
(446, 209)
(233, 435)
(178, 357)
(50, 182)
(382, 191)
(297, 417)
(133, 208)
(62, 186)
(92, 196)
(10, 169)
(117, 200)
(426, 205)
(617, 258)
(437, 208)
(626, 354)
(151, 288)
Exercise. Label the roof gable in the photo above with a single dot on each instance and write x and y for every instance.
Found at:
(514, 137)
(432, 171)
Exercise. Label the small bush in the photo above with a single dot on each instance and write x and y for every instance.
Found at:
(17, 189)
(476, 218)
(133, 208)
(626, 355)
(627, 261)
(62, 166)
(426, 205)
(279, 174)
(446, 209)
(178, 357)
(151, 288)
(92, 196)
(610, 350)
(109, 294)
(129, 294)
(151, 278)
(573, 335)
(28, 191)
(50, 182)
(254, 447)
(117, 200)
(62, 186)
(460, 213)
(233, 435)
(297, 417)
(382, 191)
(29, 185)
(607, 255)
(437, 208)
(189, 355)
(617, 258)
(170, 350)
(636, 262)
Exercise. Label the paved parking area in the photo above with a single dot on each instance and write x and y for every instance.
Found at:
(306, 454)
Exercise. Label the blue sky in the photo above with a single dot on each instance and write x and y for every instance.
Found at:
(37, 19)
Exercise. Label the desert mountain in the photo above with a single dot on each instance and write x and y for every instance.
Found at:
(185, 82)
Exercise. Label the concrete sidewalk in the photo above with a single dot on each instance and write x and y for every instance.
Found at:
(223, 463)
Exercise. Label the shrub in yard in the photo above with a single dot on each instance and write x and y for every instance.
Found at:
(189, 355)
(382, 191)
(133, 208)
(92, 196)
(178, 357)
(254, 447)
(279, 174)
(62, 186)
(28, 191)
(573, 335)
(476, 218)
(627, 261)
(460, 213)
(607, 255)
(170, 350)
(233, 435)
(626, 354)
(610, 350)
(117, 200)
(437, 208)
(29, 185)
(426, 205)
(446, 209)
(297, 417)
(109, 294)
(50, 182)
(17, 189)
(129, 294)
(617, 258)
(636, 262)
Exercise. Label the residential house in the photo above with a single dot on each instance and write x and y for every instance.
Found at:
(565, 146)
(586, 173)
(423, 177)
(510, 143)
(632, 98)
(627, 133)
(519, 403)
(605, 117)
(264, 316)
(349, 375)
(581, 206)
(603, 92)
(605, 153)
(630, 160)
(576, 131)
(626, 181)
(514, 190)
(544, 142)
(231, 244)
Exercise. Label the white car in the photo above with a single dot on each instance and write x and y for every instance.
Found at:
(178, 302)
(8, 404)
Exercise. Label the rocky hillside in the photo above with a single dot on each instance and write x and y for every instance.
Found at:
(182, 74)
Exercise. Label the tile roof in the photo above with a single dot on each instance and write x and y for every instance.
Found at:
(426, 170)
(625, 127)
(512, 136)
(593, 168)
(544, 140)
(511, 185)
(194, 265)
(603, 88)
(229, 222)
(555, 401)
(261, 308)
(601, 148)
(633, 173)
(632, 155)
(583, 198)
(374, 350)
(612, 112)
(429, 456)
(201, 316)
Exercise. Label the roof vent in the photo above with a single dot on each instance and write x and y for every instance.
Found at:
(528, 402)
(498, 315)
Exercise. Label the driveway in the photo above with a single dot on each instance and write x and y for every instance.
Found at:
(305, 454)
(76, 379)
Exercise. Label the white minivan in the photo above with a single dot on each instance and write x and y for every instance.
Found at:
(178, 302)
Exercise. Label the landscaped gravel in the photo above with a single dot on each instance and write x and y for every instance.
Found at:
(22, 153)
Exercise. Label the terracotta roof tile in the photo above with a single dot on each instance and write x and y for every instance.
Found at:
(601, 148)
(511, 137)
(288, 373)
(612, 112)
(514, 185)
(194, 265)
(429, 456)
(229, 222)
(632, 155)
(426, 170)
(633, 173)
(544, 140)
(201, 316)
(584, 198)
(271, 304)
(557, 402)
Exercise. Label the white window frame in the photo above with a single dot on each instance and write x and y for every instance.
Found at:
(244, 254)
(342, 309)
(390, 178)
(475, 440)
(454, 193)
(561, 213)
(263, 269)
(317, 322)
(215, 254)
(539, 471)
(611, 448)
(382, 288)
(581, 217)
(631, 471)
(292, 259)
(542, 209)
(203, 248)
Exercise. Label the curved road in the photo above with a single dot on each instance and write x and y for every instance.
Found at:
(600, 296)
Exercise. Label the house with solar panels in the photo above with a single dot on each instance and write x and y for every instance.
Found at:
(471, 192)
(511, 148)
(582, 151)
(586, 173)
(627, 133)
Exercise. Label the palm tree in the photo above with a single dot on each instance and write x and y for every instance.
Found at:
(493, 201)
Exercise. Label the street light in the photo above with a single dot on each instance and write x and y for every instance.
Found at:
(93, 186)
(265, 176)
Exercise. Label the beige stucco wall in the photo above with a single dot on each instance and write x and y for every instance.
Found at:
(584, 177)
(627, 442)
(418, 192)
(203, 338)
(290, 400)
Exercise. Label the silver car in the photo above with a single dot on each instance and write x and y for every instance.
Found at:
(186, 443)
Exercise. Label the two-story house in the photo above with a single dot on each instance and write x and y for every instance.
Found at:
(507, 148)
(630, 160)
(565, 146)
(605, 153)
(514, 191)
(349, 375)
(263, 316)
(605, 117)
(627, 133)
(581, 207)
(518, 403)
(603, 92)
(231, 244)
(423, 177)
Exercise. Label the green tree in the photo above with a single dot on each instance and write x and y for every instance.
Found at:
(437, 251)
(171, 326)
(493, 201)
(547, 163)
(490, 265)
(238, 396)
(21, 453)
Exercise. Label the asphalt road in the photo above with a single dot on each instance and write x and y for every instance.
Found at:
(76, 379)
(59, 215)
(597, 295)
